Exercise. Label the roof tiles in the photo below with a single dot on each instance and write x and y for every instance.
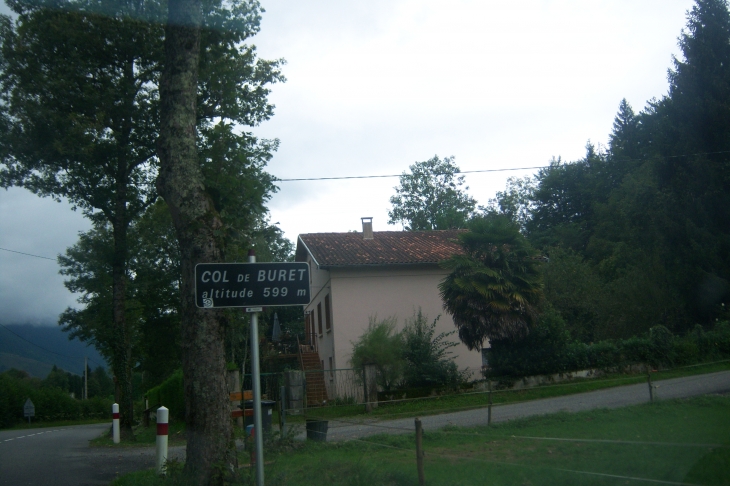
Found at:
(386, 247)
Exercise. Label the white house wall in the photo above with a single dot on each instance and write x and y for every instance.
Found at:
(359, 293)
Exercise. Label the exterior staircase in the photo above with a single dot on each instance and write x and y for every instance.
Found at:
(314, 376)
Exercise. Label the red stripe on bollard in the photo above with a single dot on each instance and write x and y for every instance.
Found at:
(115, 416)
(162, 429)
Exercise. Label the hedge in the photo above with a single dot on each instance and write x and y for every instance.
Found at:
(549, 349)
(171, 394)
(50, 403)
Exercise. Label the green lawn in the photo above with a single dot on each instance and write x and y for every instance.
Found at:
(679, 441)
(144, 436)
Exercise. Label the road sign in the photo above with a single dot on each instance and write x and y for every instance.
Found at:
(220, 285)
(28, 409)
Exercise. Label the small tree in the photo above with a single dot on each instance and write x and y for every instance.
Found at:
(494, 287)
(380, 345)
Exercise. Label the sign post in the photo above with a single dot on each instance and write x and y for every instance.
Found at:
(256, 379)
(28, 409)
(252, 286)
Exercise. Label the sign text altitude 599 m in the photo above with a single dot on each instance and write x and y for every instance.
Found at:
(251, 284)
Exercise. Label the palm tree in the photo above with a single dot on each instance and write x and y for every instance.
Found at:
(494, 287)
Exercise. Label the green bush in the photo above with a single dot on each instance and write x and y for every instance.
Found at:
(415, 357)
(380, 345)
(426, 355)
(51, 403)
(171, 394)
(550, 349)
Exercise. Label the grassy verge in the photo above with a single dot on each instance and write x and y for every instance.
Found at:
(449, 403)
(680, 441)
(145, 437)
(465, 401)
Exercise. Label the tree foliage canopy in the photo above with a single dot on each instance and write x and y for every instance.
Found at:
(494, 287)
(645, 224)
(431, 197)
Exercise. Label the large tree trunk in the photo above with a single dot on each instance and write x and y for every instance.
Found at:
(123, 345)
(180, 182)
(120, 227)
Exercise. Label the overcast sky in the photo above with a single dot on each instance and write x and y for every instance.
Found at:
(376, 86)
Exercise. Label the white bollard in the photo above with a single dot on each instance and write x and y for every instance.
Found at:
(163, 415)
(115, 423)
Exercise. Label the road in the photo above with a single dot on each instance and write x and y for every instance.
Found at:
(62, 457)
(608, 398)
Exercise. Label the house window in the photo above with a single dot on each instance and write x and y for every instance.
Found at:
(485, 358)
(319, 318)
(327, 313)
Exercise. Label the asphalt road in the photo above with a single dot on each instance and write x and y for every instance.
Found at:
(62, 456)
(608, 398)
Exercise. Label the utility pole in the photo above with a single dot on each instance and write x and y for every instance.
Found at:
(86, 378)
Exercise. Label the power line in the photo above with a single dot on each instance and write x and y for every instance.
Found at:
(28, 254)
(385, 176)
(44, 349)
(399, 175)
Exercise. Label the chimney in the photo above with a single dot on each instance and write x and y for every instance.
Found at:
(367, 228)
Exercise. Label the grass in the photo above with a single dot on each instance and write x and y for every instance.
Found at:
(145, 437)
(664, 441)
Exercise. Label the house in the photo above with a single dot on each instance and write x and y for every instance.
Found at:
(386, 273)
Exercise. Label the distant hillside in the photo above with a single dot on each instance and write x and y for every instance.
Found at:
(36, 349)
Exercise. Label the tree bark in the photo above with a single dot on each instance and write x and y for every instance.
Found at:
(180, 182)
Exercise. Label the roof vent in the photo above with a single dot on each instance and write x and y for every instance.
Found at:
(367, 228)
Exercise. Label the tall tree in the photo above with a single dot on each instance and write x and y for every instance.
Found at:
(80, 98)
(494, 287)
(624, 138)
(431, 197)
(78, 89)
(152, 292)
(516, 201)
(201, 225)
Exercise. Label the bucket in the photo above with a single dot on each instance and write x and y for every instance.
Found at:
(317, 430)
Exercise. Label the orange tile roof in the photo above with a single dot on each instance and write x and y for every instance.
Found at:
(386, 247)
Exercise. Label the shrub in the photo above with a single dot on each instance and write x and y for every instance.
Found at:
(426, 355)
(549, 349)
(380, 345)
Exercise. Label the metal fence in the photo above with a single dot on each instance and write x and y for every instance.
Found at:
(341, 387)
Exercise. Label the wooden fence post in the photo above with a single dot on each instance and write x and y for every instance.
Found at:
(651, 387)
(370, 379)
(489, 407)
(419, 452)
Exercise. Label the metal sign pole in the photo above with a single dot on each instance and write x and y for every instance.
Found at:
(256, 378)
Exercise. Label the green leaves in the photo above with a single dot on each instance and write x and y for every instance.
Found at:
(431, 197)
(494, 287)
(411, 358)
